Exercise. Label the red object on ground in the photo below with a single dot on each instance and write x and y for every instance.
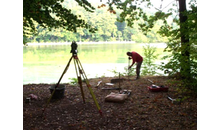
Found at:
(32, 96)
(155, 88)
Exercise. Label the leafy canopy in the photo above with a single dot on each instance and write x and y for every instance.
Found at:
(101, 18)
(51, 14)
(181, 31)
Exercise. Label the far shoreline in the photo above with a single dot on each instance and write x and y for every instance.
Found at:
(69, 43)
(159, 45)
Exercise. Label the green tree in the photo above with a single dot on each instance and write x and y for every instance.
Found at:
(149, 60)
(184, 55)
(102, 19)
(51, 14)
(182, 43)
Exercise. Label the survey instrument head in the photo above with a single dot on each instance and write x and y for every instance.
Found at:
(74, 48)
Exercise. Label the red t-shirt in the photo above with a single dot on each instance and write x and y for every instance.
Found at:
(136, 57)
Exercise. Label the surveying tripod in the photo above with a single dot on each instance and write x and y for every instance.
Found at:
(80, 73)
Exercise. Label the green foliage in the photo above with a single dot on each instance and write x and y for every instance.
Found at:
(181, 33)
(180, 63)
(51, 14)
(74, 81)
(108, 28)
(149, 67)
(126, 72)
(140, 38)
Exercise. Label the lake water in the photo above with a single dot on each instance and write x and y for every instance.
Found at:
(45, 63)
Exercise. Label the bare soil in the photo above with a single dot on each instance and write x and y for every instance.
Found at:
(143, 110)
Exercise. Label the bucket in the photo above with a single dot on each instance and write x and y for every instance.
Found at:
(59, 92)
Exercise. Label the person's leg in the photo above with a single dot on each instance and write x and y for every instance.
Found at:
(137, 71)
(138, 67)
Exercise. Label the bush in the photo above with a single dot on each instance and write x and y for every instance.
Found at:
(126, 72)
(149, 67)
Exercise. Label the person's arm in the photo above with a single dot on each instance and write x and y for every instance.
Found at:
(132, 62)
(131, 65)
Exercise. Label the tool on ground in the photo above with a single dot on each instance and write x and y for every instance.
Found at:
(109, 84)
(111, 88)
(98, 84)
(171, 99)
(128, 68)
(114, 81)
(128, 92)
(80, 73)
(28, 100)
(150, 81)
(119, 82)
(156, 88)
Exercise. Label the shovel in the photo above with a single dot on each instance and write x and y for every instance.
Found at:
(128, 68)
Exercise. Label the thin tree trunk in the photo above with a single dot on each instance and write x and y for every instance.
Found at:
(185, 58)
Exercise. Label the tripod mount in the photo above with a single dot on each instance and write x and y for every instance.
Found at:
(80, 74)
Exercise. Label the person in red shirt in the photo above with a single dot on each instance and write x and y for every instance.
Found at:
(136, 58)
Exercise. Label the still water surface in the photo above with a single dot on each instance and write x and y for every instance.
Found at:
(45, 63)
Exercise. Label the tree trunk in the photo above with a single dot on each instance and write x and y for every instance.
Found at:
(185, 58)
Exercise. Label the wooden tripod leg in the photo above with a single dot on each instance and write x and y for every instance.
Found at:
(48, 101)
(67, 66)
(81, 88)
(79, 77)
(82, 72)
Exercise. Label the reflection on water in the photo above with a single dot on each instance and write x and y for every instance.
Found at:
(45, 64)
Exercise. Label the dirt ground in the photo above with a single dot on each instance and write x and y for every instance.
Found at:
(142, 110)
